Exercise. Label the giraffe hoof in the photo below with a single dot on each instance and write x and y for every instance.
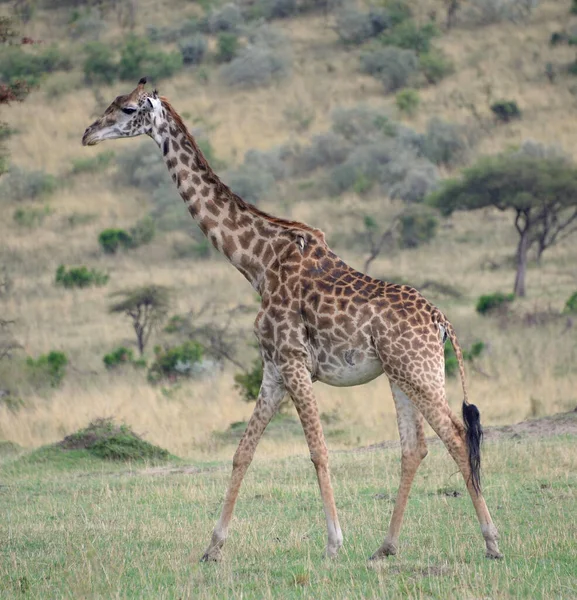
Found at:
(214, 555)
(384, 551)
(493, 555)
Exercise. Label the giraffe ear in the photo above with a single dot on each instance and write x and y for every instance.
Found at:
(301, 242)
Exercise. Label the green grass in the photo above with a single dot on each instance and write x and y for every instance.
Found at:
(95, 529)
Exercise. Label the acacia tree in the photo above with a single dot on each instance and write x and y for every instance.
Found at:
(541, 194)
(147, 307)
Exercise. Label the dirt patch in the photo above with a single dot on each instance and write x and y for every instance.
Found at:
(560, 424)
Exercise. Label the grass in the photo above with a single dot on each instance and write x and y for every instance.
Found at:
(97, 531)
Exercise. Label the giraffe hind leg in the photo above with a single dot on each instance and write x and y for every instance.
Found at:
(413, 451)
(433, 405)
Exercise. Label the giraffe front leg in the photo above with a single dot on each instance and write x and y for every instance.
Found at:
(270, 396)
(299, 385)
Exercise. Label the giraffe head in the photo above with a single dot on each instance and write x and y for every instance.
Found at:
(127, 116)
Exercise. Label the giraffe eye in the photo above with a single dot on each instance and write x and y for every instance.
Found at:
(128, 110)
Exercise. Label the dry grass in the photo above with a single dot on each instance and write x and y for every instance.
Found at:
(530, 369)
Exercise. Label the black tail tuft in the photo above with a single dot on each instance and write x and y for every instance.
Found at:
(474, 437)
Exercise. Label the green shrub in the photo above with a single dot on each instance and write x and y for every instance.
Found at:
(571, 304)
(276, 9)
(227, 47)
(410, 36)
(17, 64)
(48, 368)
(19, 184)
(469, 355)
(574, 7)
(93, 164)
(417, 226)
(80, 277)
(176, 361)
(137, 56)
(122, 356)
(491, 302)
(99, 64)
(408, 101)
(31, 217)
(435, 66)
(248, 383)
(111, 240)
(506, 110)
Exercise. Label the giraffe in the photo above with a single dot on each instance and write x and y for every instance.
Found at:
(319, 320)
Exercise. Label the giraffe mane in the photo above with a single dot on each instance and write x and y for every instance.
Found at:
(225, 190)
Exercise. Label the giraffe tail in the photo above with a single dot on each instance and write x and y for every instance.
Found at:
(471, 416)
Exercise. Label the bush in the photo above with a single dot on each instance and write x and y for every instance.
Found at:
(408, 177)
(273, 161)
(48, 368)
(435, 66)
(446, 143)
(249, 182)
(488, 12)
(506, 110)
(227, 18)
(80, 277)
(266, 58)
(492, 302)
(143, 232)
(93, 164)
(361, 124)
(409, 36)
(355, 27)
(99, 64)
(571, 304)
(325, 150)
(227, 47)
(120, 357)
(177, 361)
(417, 226)
(19, 184)
(111, 240)
(192, 50)
(248, 383)
(277, 9)
(394, 67)
(408, 101)
(200, 250)
(28, 65)
(137, 56)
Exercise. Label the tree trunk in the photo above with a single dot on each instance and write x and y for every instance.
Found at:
(522, 256)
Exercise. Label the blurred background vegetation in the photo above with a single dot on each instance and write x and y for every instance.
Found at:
(432, 140)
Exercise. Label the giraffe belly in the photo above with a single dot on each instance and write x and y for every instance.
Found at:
(352, 370)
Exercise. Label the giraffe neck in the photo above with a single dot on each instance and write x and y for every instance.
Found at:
(236, 229)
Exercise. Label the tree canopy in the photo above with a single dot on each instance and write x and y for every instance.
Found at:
(541, 192)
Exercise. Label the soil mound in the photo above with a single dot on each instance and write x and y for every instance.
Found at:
(108, 440)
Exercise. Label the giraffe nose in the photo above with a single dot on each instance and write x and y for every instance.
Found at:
(86, 136)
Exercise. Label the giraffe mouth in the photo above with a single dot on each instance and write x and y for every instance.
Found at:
(90, 138)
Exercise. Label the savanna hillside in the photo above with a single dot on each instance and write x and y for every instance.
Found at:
(342, 116)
